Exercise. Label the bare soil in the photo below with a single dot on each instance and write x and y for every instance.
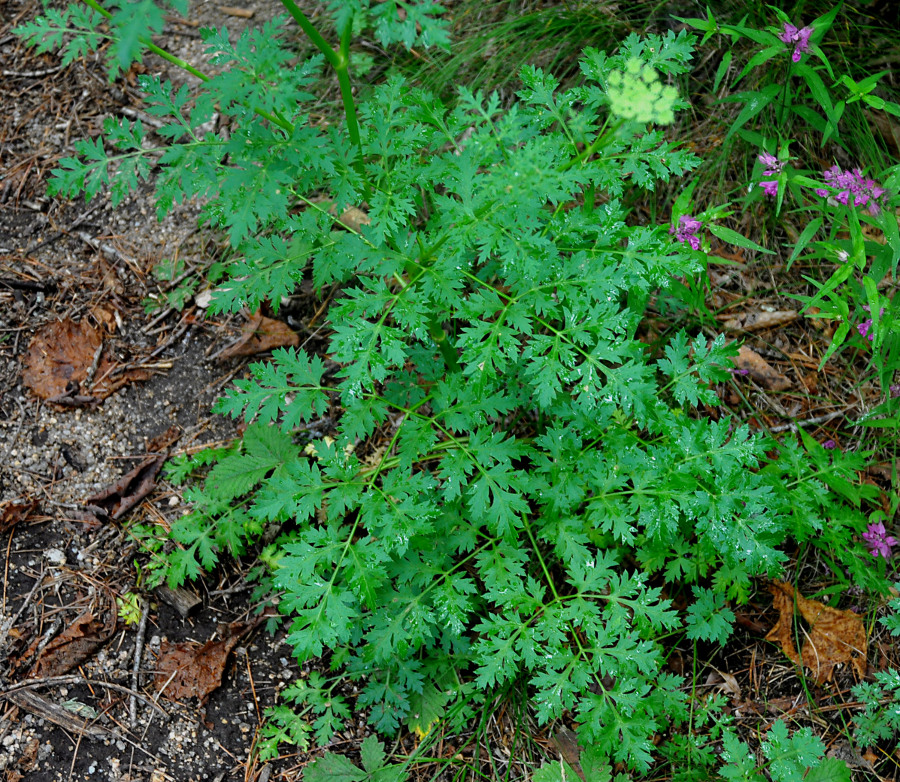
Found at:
(60, 260)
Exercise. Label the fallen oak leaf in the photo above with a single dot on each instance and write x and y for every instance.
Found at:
(834, 637)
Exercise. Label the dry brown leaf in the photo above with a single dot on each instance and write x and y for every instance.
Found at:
(243, 13)
(60, 358)
(834, 636)
(118, 498)
(185, 670)
(760, 320)
(11, 513)
(760, 370)
(724, 682)
(354, 219)
(260, 334)
(105, 317)
(73, 646)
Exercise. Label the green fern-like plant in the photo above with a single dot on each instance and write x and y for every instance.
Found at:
(535, 477)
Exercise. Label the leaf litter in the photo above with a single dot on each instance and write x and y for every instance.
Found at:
(67, 364)
(834, 637)
(186, 670)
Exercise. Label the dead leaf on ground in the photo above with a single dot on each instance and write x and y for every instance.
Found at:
(760, 370)
(163, 441)
(105, 317)
(120, 497)
(261, 334)
(185, 670)
(11, 513)
(243, 13)
(724, 682)
(566, 742)
(77, 643)
(63, 355)
(759, 320)
(29, 757)
(834, 636)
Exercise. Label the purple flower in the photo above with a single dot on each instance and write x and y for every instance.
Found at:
(772, 164)
(829, 444)
(878, 541)
(865, 328)
(770, 187)
(847, 186)
(895, 391)
(686, 232)
(799, 38)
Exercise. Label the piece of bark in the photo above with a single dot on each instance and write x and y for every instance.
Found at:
(35, 704)
(759, 320)
(760, 370)
(180, 599)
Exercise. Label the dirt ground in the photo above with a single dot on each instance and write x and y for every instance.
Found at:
(79, 693)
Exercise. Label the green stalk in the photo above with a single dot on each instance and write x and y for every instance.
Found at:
(342, 69)
(440, 337)
(339, 60)
(312, 33)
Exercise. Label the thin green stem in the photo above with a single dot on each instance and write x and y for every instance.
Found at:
(448, 351)
(311, 32)
(343, 75)
(338, 59)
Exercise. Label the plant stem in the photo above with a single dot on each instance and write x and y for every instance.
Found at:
(440, 337)
(342, 69)
(312, 33)
(339, 60)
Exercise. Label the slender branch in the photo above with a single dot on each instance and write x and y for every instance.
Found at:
(312, 33)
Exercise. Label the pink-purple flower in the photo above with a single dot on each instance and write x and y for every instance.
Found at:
(865, 328)
(686, 231)
(829, 445)
(853, 186)
(799, 38)
(895, 391)
(878, 541)
(772, 166)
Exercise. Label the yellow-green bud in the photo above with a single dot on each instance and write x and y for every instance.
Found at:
(638, 94)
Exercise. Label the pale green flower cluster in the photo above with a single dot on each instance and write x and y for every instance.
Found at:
(638, 94)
